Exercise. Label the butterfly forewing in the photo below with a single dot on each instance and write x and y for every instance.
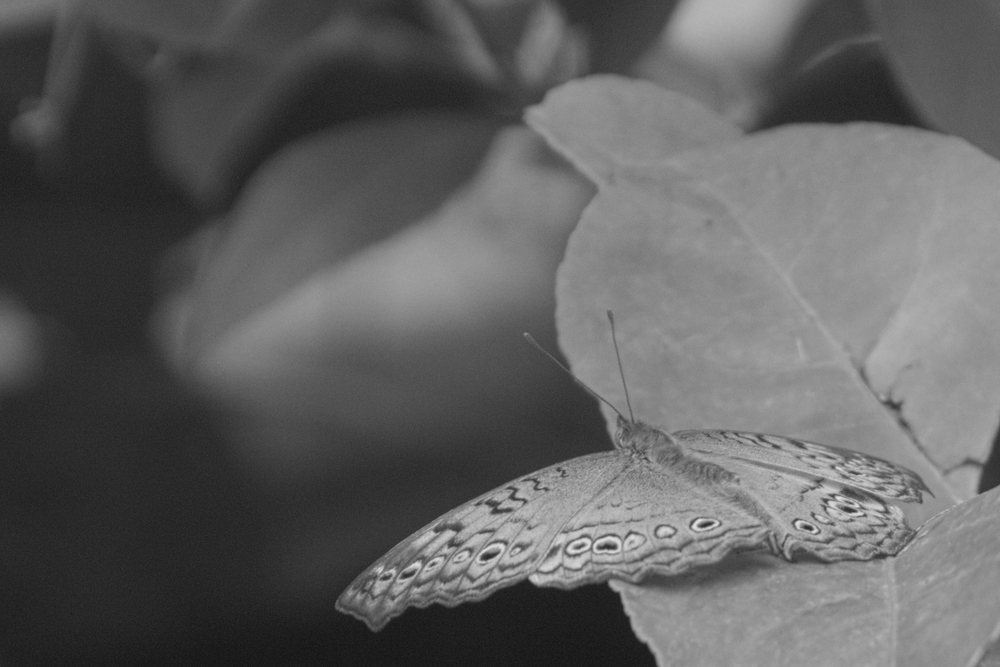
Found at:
(855, 469)
(490, 542)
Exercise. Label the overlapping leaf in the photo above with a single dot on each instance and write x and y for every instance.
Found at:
(795, 282)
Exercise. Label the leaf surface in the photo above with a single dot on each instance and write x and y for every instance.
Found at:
(789, 282)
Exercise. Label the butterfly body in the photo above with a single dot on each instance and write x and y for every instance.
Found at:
(656, 504)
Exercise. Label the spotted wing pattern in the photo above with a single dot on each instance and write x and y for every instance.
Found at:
(488, 543)
(656, 520)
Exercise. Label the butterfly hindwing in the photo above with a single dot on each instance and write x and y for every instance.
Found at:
(653, 520)
(829, 521)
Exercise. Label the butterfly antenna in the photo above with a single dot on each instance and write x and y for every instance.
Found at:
(621, 371)
(528, 337)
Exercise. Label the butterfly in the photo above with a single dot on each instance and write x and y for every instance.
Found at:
(658, 503)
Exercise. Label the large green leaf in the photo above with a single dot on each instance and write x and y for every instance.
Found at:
(830, 282)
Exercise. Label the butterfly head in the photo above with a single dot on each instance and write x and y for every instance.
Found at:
(641, 438)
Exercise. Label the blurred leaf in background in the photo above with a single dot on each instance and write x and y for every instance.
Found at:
(327, 219)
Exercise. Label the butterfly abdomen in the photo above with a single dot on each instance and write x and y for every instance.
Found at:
(698, 471)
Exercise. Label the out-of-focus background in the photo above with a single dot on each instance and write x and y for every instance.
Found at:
(264, 270)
